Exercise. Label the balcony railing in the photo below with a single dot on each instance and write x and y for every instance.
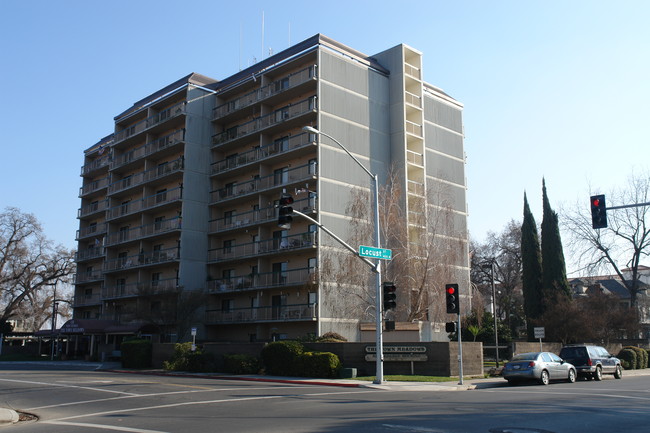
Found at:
(278, 86)
(268, 246)
(85, 300)
(255, 155)
(138, 127)
(412, 71)
(306, 205)
(145, 203)
(95, 165)
(87, 277)
(98, 206)
(143, 231)
(280, 313)
(93, 186)
(150, 148)
(92, 230)
(414, 157)
(90, 253)
(413, 99)
(292, 277)
(278, 116)
(130, 290)
(142, 259)
(415, 187)
(414, 128)
(254, 186)
(146, 176)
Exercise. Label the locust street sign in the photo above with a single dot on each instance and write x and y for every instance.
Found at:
(375, 253)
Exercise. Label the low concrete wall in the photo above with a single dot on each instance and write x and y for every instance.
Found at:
(524, 347)
(441, 358)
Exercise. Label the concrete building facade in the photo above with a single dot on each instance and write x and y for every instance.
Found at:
(178, 218)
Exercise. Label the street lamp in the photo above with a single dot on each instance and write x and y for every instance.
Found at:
(377, 268)
(494, 308)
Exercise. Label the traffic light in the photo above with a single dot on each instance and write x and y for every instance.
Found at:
(598, 212)
(450, 327)
(284, 215)
(451, 293)
(389, 296)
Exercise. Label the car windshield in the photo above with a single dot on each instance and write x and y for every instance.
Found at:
(525, 357)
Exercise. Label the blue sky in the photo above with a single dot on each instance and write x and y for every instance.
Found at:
(551, 89)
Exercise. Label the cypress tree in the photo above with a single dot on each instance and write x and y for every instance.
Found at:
(531, 261)
(554, 282)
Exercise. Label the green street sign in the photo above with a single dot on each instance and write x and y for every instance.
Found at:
(375, 253)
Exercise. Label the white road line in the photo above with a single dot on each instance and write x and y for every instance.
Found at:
(154, 394)
(103, 427)
(68, 386)
(192, 403)
(586, 393)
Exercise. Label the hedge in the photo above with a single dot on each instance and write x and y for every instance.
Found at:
(136, 353)
(319, 364)
(279, 357)
(186, 360)
(628, 358)
(241, 364)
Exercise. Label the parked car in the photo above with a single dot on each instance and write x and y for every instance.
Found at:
(540, 366)
(592, 361)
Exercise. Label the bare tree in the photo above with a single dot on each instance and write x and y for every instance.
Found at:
(29, 265)
(425, 255)
(504, 249)
(623, 244)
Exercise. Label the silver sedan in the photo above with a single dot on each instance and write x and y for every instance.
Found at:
(540, 366)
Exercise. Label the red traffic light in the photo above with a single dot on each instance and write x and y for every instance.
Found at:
(596, 202)
(451, 289)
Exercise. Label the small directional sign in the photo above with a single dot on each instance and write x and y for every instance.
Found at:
(375, 253)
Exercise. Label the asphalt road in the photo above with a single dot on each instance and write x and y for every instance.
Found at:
(75, 400)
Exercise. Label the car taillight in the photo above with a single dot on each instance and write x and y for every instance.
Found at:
(589, 363)
(531, 364)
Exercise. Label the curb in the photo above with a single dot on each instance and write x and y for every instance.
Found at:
(8, 416)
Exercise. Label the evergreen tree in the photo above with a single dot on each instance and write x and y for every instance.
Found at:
(554, 282)
(531, 261)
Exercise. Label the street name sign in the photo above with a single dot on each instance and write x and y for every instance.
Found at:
(375, 253)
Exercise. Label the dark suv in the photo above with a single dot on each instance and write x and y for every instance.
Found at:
(592, 361)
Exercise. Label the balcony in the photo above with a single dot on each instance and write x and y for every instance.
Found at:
(415, 158)
(245, 219)
(279, 116)
(89, 254)
(147, 230)
(150, 122)
(276, 87)
(267, 280)
(412, 71)
(92, 230)
(294, 175)
(143, 177)
(278, 148)
(92, 208)
(142, 259)
(87, 300)
(268, 246)
(131, 290)
(95, 165)
(280, 313)
(150, 148)
(414, 128)
(156, 200)
(88, 277)
(94, 186)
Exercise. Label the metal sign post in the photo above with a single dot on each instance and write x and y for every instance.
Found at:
(539, 333)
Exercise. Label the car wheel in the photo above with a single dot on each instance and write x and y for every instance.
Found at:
(618, 374)
(512, 382)
(544, 378)
(572, 376)
(598, 375)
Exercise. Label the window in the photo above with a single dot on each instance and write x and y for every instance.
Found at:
(155, 279)
(92, 227)
(281, 176)
(158, 223)
(281, 144)
(227, 217)
(227, 246)
(120, 284)
(229, 189)
(121, 259)
(124, 233)
(280, 273)
(312, 166)
(227, 305)
(161, 195)
(311, 264)
(157, 255)
(94, 206)
(125, 207)
(313, 298)
(163, 168)
(231, 160)
(281, 85)
(282, 114)
(88, 294)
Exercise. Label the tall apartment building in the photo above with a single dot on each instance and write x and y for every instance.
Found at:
(178, 219)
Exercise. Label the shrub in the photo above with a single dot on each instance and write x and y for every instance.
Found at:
(136, 353)
(240, 364)
(628, 358)
(319, 364)
(331, 337)
(641, 357)
(186, 360)
(279, 357)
